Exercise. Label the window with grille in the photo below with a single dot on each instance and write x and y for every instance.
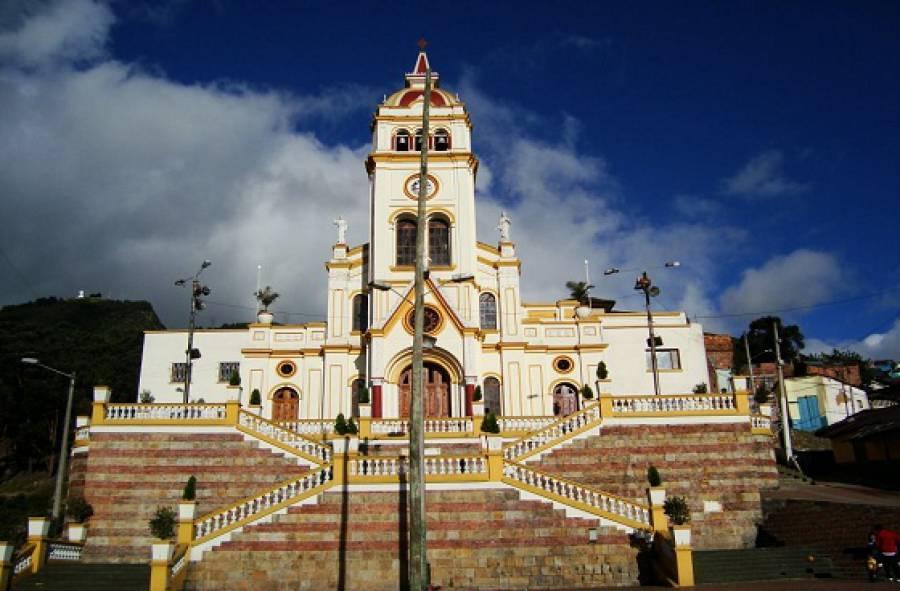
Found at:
(179, 372)
(665, 359)
(226, 368)
(360, 313)
(439, 242)
(488, 308)
(406, 242)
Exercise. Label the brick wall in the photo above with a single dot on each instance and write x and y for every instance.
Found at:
(848, 374)
(77, 470)
(130, 474)
(719, 350)
(725, 464)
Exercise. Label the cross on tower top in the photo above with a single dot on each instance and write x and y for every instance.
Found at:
(422, 44)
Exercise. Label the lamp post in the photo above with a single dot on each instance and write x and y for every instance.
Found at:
(64, 444)
(197, 290)
(645, 285)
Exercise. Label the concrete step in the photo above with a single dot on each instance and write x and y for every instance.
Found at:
(75, 576)
(761, 564)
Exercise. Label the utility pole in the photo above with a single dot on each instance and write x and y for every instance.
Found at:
(749, 362)
(418, 559)
(197, 291)
(785, 411)
(645, 285)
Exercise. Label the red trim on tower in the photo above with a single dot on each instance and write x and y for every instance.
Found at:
(376, 401)
(411, 95)
(421, 63)
(470, 394)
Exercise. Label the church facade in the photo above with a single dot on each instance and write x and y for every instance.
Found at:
(526, 358)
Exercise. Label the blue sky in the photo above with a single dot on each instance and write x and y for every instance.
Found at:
(755, 142)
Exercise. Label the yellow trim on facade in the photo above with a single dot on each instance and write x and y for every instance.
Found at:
(487, 247)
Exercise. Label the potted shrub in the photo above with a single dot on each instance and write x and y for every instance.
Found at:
(266, 297)
(365, 403)
(187, 508)
(656, 491)
(586, 392)
(79, 511)
(580, 291)
(678, 512)
(477, 402)
(146, 397)
(255, 401)
(234, 379)
(701, 388)
(490, 424)
(162, 527)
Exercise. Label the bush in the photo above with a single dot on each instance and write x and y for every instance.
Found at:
(602, 372)
(162, 525)
(490, 424)
(190, 490)
(352, 429)
(255, 397)
(146, 397)
(653, 476)
(761, 396)
(340, 424)
(700, 389)
(476, 395)
(586, 392)
(363, 395)
(676, 508)
(78, 509)
(234, 379)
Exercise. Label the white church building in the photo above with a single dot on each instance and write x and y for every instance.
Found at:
(529, 358)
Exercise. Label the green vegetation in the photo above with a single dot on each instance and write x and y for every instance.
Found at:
(234, 379)
(362, 395)
(78, 509)
(490, 424)
(579, 290)
(476, 395)
(676, 508)
(190, 489)
(653, 477)
(701, 388)
(602, 372)
(344, 427)
(255, 397)
(162, 525)
(586, 392)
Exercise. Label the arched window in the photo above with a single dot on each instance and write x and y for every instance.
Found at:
(406, 242)
(492, 396)
(418, 140)
(360, 313)
(441, 140)
(439, 241)
(401, 141)
(488, 307)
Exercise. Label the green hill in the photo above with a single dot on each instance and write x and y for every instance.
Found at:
(100, 340)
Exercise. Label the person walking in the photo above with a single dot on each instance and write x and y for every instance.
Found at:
(886, 543)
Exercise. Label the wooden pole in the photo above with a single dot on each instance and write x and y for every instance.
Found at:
(418, 562)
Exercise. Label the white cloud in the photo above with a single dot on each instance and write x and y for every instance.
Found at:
(693, 206)
(878, 345)
(801, 278)
(763, 176)
(72, 30)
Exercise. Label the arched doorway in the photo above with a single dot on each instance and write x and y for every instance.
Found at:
(437, 390)
(285, 405)
(565, 399)
(492, 396)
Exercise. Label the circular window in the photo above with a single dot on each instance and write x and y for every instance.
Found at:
(563, 364)
(286, 369)
(433, 320)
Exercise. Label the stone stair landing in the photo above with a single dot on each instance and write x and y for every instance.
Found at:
(129, 475)
(477, 539)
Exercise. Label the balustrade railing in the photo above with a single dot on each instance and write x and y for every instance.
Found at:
(308, 426)
(432, 426)
(165, 412)
(593, 500)
(760, 423)
(558, 431)
(179, 561)
(275, 432)
(453, 467)
(523, 424)
(83, 433)
(213, 524)
(22, 561)
(64, 551)
(679, 403)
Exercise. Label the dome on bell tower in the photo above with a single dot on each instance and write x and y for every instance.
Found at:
(415, 87)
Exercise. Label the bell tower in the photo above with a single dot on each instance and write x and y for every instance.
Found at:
(393, 168)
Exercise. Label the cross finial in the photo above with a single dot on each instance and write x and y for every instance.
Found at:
(422, 44)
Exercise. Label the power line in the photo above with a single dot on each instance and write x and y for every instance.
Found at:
(810, 307)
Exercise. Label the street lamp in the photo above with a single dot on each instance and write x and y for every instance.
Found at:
(197, 290)
(64, 444)
(645, 285)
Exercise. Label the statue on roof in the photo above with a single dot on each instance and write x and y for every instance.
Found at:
(505, 222)
(341, 224)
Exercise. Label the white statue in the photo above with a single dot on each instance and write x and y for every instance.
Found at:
(341, 224)
(504, 226)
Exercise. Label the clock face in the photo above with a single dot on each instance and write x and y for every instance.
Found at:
(411, 187)
(432, 320)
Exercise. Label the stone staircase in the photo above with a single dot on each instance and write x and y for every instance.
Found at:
(75, 576)
(127, 478)
(478, 538)
(760, 564)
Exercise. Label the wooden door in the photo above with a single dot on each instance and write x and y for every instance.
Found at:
(437, 391)
(285, 405)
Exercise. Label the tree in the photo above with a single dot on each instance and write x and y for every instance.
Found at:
(761, 338)
(266, 296)
(579, 290)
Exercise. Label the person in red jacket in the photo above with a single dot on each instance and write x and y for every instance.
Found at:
(886, 543)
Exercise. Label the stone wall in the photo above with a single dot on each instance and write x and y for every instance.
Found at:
(720, 469)
(477, 539)
(77, 470)
(129, 475)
